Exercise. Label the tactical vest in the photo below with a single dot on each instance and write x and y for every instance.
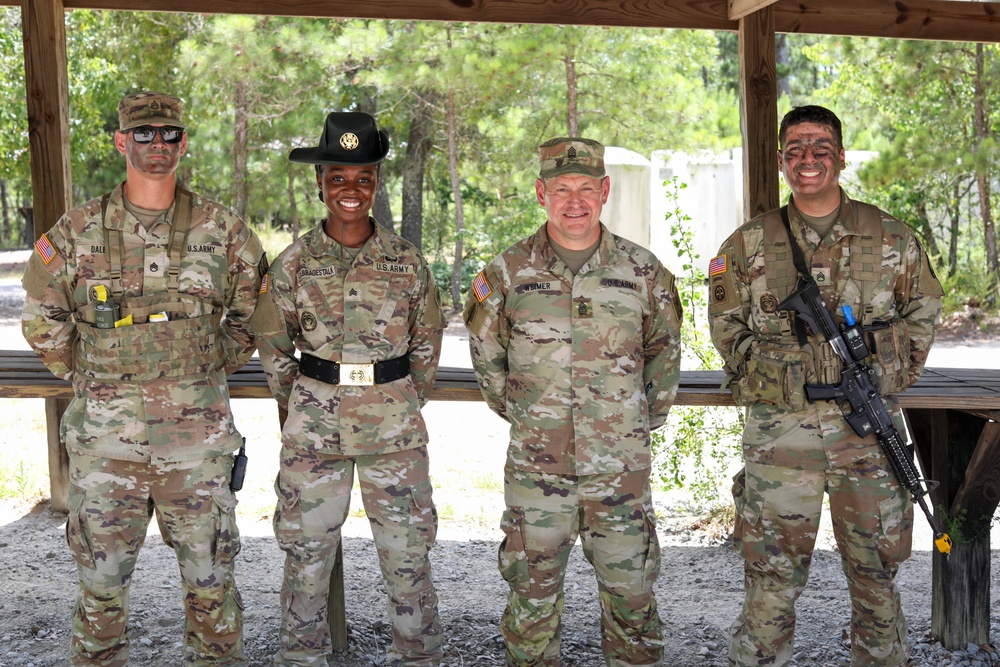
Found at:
(777, 367)
(187, 346)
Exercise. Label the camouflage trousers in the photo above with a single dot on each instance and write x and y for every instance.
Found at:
(314, 494)
(111, 503)
(613, 515)
(777, 515)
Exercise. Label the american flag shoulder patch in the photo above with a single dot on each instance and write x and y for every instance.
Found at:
(264, 284)
(717, 265)
(481, 287)
(45, 249)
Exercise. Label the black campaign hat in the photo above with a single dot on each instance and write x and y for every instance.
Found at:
(349, 138)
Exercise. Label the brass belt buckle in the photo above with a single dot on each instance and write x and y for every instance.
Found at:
(357, 375)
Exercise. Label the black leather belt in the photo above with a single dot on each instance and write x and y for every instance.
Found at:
(358, 375)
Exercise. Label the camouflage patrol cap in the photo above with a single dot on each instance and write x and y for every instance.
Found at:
(571, 155)
(147, 108)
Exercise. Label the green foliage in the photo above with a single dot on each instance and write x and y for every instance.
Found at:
(699, 444)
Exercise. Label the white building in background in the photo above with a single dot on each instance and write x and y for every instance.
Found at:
(627, 212)
(713, 198)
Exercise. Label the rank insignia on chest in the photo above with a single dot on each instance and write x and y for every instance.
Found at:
(481, 287)
(821, 275)
(583, 308)
(45, 249)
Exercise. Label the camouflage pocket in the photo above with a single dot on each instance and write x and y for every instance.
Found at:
(226, 541)
(511, 556)
(892, 358)
(748, 532)
(774, 376)
(895, 528)
(651, 558)
(423, 516)
(77, 535)
(287, 521)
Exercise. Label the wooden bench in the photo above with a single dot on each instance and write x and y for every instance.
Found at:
(953, 416)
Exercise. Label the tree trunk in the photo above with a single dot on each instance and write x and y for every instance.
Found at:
(783, 65)
(456, 189)
(382, 209)
(418, 144)
(28, 231)
(572, 116)
(954, 211)
(240, 151)
(926, 231)
(6, 211)
(983, 175)
(293, 207)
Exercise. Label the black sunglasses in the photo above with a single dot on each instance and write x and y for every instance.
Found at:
(144, 134)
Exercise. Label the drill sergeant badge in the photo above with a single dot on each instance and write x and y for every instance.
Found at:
(308, 321)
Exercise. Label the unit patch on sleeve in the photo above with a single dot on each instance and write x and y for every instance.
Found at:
(481, 287)
(45, 249)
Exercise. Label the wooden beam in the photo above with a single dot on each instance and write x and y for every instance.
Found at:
(43, 26)
(740, 8)
(759, 112)
(692, 14)
(949, 20)
(44, 29)
(904, 19)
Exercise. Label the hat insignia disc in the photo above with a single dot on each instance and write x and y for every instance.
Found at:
(349, 141)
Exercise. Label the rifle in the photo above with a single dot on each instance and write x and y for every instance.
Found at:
(856, 395)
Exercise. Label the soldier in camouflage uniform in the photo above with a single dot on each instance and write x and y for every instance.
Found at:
(575, 340)
(795, 451)
(360, 306)
(149, 428)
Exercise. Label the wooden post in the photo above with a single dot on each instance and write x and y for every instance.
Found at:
(44, 29)
(960, 607)
(759, 112)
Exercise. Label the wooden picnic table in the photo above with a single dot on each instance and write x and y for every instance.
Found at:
(952, 413)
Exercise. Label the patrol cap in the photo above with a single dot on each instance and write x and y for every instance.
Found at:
(349, 138)
(146, 108)
(571, 155)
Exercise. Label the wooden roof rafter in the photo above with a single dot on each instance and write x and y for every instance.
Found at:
(951, 20)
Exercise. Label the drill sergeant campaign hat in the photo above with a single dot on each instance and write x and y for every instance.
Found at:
(147, 108)
(349, 138)
(571, 155)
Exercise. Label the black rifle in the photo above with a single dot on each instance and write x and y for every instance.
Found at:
(856, 395)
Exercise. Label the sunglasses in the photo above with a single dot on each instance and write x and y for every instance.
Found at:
(144, 134)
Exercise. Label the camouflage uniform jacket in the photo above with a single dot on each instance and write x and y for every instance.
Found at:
(176, 406)
(382, 305)
(767, 366)
(581, 366)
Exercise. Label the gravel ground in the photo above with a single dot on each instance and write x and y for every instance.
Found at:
(698, 593)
